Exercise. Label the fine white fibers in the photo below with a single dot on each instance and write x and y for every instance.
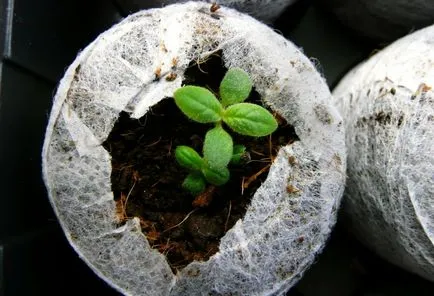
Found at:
(263, 253)
(388, 107)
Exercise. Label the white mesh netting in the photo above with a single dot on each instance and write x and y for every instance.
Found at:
(388, 106)
(263, 253)
(265, 10)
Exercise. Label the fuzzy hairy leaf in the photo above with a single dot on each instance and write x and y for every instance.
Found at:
(238, 154)
(216, 177)
(188, 158)
(198, 104)
(218, 147)
(250, 120)
(235, 87)
(194, 183)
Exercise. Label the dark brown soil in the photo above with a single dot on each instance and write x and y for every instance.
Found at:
(147, 180)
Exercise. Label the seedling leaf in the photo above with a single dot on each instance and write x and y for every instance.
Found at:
(250, 120)
(198, 104)
(188, 158)
(216, 176)
(218, 147)
(235, 87)
(194, 183)
(239, 152)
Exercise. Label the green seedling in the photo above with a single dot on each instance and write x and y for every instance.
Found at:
(201, 105)
(239, 155)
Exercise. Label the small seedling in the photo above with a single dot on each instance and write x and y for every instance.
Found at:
(201, 105)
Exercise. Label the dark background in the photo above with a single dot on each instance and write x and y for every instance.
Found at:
(38, 40)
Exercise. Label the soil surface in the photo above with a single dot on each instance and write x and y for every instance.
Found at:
(146, 179)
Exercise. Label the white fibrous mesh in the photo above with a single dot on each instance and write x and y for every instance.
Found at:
(267, 251)
(265, 10)
(388, 107)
